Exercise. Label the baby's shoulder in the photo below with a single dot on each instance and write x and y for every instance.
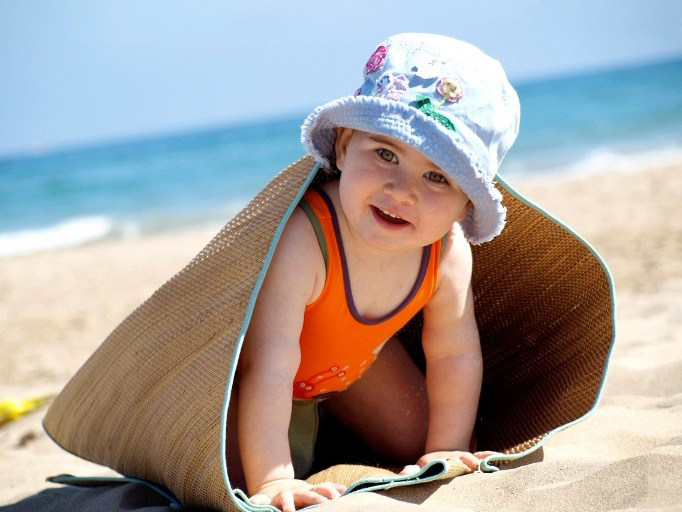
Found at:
(298, 257)
(298, 239)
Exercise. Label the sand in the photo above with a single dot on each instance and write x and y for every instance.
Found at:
(55, 309)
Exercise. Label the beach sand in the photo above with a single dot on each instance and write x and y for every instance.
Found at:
(57, 307)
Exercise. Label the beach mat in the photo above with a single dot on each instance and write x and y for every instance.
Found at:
(152, 401)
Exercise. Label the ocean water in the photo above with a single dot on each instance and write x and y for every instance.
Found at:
(621, 119)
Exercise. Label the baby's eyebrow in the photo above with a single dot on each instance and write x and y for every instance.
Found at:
(383, 140)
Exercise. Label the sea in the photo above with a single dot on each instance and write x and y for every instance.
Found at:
(619, 119)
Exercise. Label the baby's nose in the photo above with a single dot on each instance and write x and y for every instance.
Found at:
(401, 190)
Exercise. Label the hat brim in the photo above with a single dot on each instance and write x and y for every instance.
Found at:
(449, 150)
(152, 401)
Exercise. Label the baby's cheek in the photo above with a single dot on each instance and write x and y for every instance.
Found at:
(442, 215)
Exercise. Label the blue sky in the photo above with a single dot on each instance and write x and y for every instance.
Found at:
(82, 72)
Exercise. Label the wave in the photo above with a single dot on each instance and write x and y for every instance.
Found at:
(596, 161)
(68, 233)
(604, 160)
(76, 231)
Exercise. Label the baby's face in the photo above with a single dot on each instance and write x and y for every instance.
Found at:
(392, 196)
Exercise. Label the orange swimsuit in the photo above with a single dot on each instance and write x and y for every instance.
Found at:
(337, 344)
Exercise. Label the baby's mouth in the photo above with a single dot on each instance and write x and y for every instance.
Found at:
(389, 217)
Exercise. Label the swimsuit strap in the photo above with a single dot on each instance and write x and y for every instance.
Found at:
(317, 227)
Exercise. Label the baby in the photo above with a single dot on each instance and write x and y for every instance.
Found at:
(415, 151)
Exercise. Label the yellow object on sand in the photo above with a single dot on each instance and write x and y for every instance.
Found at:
(13, 409)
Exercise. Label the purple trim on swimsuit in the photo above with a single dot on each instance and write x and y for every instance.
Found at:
(426, 253)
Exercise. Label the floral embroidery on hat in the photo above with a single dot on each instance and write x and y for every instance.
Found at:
(392, 87)
(450, 88)
(376, 61)
(426, 107)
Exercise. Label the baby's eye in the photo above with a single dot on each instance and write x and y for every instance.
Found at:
(436, 177)
(388, 155)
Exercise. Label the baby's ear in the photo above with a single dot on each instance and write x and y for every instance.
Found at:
(465, 211)
(343, 136)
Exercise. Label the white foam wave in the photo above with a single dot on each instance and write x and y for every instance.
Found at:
(605, 159)
(69, 233)
(596, 161)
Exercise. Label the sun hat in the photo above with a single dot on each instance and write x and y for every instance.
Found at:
(152, 401)
(442, 96)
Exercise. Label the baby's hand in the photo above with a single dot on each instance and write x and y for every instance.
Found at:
(288, 494)
(472, 460)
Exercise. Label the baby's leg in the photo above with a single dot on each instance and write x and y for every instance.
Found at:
(388, 406)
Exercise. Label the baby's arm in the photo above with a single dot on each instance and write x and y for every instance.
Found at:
(454, 364)
(268, 364)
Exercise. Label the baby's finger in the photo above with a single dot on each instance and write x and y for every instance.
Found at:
(285, 501)
(329, 490)
(410, 469)
(260, 499)
(470, 460)
(483, 455)
(339, 487)
(306, 498)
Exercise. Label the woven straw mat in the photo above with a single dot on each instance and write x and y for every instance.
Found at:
(148, 402)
